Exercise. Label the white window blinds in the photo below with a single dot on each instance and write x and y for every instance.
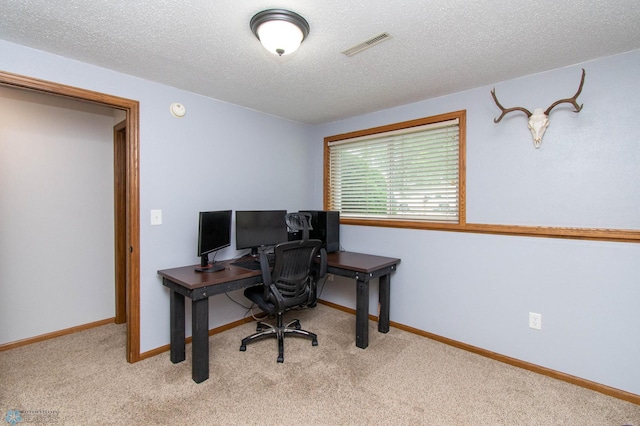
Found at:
(405, 174)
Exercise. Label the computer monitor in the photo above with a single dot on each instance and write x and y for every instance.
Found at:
(214, 233)
(259, 229)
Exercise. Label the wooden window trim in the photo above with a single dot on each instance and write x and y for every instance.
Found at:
(399, 223)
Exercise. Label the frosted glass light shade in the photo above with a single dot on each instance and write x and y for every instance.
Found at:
(280, 37)
(280, 31)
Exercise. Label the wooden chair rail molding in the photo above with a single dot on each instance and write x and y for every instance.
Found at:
(622, 235)
(600, 234)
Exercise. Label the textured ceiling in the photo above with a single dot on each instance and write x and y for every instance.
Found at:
(436, 47)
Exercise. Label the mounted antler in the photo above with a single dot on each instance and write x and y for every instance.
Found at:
(539, 120)
(572, 101)
(506, 111)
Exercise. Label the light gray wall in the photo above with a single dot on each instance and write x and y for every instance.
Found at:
(219, 156)
(56, 214)
(479, 289)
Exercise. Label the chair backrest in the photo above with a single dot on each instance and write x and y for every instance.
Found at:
(294, 271)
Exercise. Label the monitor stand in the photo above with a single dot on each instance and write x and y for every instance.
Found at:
(215, 267)
(205, 266)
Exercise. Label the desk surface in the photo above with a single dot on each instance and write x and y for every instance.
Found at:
(187, 277)
(359, 262)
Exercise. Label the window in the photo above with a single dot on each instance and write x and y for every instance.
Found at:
(405, 174)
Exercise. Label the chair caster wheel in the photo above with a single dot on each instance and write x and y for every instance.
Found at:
(280, 359)
(243, 348)
(314, 342)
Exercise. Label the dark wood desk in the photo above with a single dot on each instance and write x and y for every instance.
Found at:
(363, 268)
(198, 287)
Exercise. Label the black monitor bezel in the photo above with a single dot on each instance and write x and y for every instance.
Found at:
(219, 217)
(275, 230)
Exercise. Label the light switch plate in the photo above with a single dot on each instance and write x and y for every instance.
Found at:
(156, 217)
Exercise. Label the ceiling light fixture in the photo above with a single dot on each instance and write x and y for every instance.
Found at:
(280, 31)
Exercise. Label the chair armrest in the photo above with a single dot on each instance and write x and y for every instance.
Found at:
(265, 269)
(279, 300)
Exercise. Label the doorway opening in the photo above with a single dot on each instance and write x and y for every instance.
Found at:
(126, 197)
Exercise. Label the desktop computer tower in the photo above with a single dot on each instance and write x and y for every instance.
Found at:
(326, 227)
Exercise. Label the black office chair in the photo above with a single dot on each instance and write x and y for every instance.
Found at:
(290, 284)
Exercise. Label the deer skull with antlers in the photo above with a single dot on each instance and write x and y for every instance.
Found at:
(539, 120)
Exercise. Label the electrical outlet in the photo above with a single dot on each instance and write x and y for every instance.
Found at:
(535, 321)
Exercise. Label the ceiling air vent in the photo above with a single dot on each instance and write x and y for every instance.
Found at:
(366, 44)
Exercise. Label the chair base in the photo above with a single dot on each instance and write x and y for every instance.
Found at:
(278, 331)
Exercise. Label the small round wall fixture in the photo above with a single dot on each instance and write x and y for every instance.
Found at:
(178, 109)
(280, 31)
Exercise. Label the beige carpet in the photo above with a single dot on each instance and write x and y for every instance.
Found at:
(401, 379)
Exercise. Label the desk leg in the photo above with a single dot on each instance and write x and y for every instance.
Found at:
(176, 313)
(383, 300)
(362, 313)
(200, 339)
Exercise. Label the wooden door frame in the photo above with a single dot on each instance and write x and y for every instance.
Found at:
(120, 223)
(132, 109)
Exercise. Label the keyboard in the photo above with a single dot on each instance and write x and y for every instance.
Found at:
(248, 264)
(254, 264)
